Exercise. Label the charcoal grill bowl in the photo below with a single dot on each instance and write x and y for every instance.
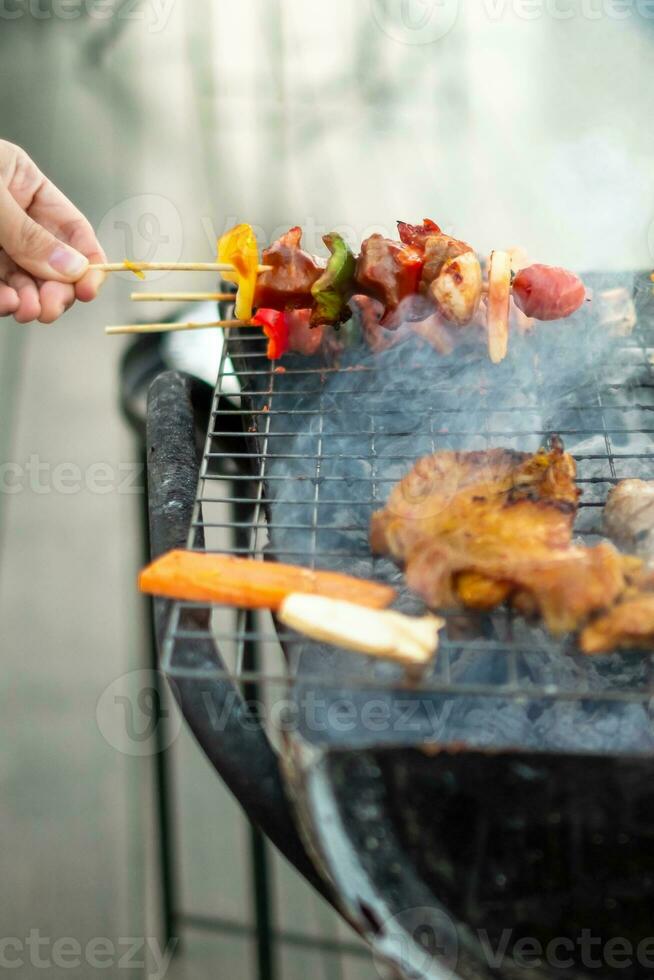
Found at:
(472, 852)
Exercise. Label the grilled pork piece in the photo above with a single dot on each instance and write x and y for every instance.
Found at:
(477, 528)
(629, 516)
(288, 284)
(388, 271)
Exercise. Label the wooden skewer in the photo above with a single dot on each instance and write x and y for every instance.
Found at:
(171, 327)
(169, 267)
(182, 297)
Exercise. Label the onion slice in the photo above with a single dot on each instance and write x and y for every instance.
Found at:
(409, 640)
(499, 294)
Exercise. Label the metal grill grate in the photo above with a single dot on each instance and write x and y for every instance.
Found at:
(607, 425)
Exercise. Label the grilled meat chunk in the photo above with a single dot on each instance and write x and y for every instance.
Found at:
(287, 285)
(629, 521)
(477, 528)
(417, 235)
(629, 624)
(439, 249)
(388, 271)
(456, 290)
(629, 516)
(303, 338)
(370, 313)
(429, 327)
(451, 277)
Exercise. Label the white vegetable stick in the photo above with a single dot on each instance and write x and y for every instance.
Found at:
(387, 634)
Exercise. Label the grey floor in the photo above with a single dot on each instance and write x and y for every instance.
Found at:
(164, 133)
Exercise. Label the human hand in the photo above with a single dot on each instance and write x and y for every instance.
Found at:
(46, 244)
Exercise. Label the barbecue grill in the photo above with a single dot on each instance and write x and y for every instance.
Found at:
(508, 788)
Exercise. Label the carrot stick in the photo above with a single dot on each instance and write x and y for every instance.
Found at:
(225, 579)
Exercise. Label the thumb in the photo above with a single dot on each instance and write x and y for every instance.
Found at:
(35, 249)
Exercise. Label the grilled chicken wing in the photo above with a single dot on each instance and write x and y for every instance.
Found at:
(477, 528)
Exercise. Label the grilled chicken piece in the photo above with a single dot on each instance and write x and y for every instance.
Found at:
(629, 521)
(457, 288)
(477, 528)
(451, 276)
(288, 284)
(437, 250)
(629, 624)
(629, 516)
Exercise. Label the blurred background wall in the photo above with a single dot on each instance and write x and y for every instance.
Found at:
(168, 121)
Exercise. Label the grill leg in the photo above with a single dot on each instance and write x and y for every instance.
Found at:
(261, 883)
(261, 871)
(259, 851)
(167, 854)
(163, 775)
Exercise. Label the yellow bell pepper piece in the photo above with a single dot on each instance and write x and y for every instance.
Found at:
(239, 247)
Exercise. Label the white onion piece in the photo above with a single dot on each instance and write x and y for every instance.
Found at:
(410, 640)
(499, 294)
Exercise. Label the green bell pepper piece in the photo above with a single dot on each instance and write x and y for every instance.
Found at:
(332, 290)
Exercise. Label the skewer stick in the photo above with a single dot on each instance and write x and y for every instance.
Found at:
(182, 297)
(130, 328)
(169, 267)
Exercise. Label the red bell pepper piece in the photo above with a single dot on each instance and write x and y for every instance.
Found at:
(275, 327)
